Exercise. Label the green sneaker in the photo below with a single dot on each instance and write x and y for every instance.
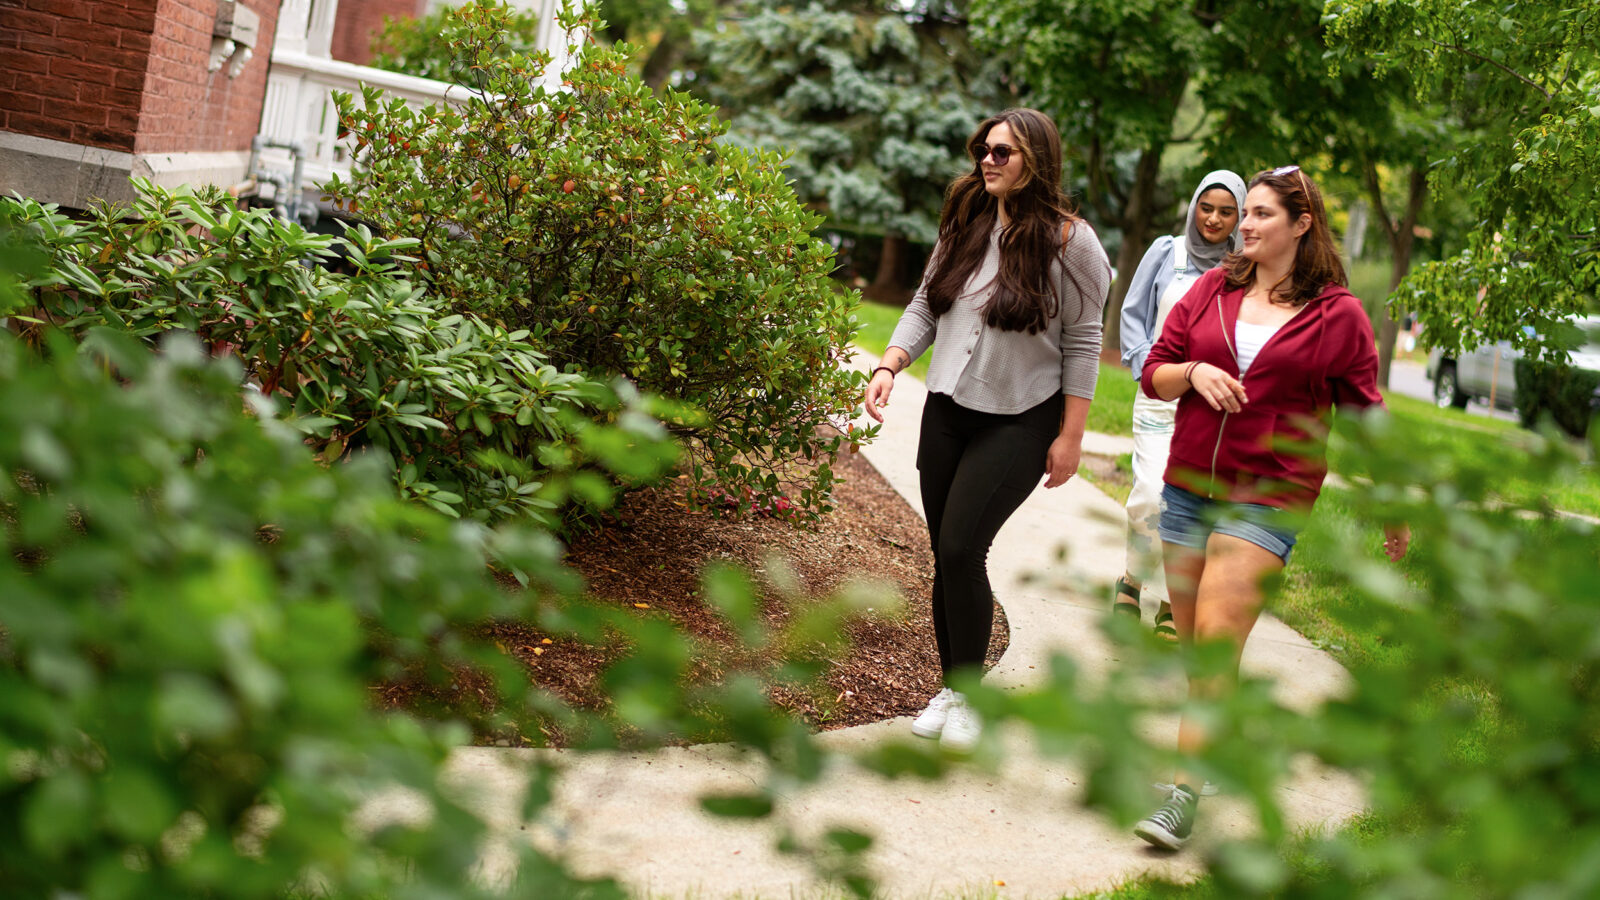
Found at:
(1169, 827)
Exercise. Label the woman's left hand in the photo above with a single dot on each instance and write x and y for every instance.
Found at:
(1061, 463)
(1396, 538)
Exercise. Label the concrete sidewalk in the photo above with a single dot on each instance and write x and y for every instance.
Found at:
(1017, 830)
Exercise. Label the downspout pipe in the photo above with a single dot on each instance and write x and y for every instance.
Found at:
(290, 203)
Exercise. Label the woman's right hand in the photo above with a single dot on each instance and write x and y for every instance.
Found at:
(878, 390)
(1221, 390)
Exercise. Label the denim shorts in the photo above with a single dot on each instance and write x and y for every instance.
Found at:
(1187, 519)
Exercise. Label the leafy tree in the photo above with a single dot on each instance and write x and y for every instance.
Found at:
(1114, 75)
(658, 34)
(1526, 77)
(872, 101)
(1357, 123)
(608, 224)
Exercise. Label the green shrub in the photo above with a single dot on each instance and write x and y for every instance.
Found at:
(470, 414)
(1570, 395)
(610, 224)
(193, 612)
(21, 258)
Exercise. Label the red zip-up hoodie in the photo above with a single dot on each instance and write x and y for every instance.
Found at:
(1274, 450)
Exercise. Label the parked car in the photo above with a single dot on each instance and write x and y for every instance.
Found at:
(1489, 371)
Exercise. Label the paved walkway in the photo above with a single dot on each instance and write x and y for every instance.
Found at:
(1015, 830)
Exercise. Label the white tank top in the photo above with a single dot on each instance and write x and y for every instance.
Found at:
(1248, 339)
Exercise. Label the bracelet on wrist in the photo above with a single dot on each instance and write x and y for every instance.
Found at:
(875, 372)
(1188, 374)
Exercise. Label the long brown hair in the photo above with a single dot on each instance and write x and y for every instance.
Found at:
(1316, 258)
(1024, 298)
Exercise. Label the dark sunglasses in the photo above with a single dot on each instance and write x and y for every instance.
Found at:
(1000, 152)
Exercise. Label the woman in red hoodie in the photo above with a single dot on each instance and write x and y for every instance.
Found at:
(1258, 354)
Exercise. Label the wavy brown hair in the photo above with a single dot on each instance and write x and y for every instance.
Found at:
(1316, 258)
(1024, 297)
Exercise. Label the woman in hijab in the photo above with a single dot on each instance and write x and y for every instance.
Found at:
(1169, 267)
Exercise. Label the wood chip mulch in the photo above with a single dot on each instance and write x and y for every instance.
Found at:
(648, 559)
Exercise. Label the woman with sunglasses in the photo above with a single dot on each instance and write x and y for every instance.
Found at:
(1014, 292)
(1258, 354)
(1168, 269)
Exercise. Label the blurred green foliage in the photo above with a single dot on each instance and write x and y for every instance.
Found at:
(21, 259)
(1473, 715)
(193, 611)
(609, 225)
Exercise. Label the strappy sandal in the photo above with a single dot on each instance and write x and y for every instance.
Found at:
(1131, 605)
(1165, 629)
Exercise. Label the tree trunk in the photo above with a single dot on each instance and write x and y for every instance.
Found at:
(1402, 237)
(1135, 223)
(1388, 334)
(885, 285)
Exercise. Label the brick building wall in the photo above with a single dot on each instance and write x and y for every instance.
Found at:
(74, 71)
(359, 20)
(127, 75)
(93, 91)
(186, 108)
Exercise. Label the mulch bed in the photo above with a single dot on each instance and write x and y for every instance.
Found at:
(648, 560)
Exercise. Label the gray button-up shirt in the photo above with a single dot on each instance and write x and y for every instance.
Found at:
(989, 370)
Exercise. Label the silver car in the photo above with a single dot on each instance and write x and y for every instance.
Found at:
(1489, 373)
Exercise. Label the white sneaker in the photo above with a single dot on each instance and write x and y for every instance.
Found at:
(962, 728)
(930, 723)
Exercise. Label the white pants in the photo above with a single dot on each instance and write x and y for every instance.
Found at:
(1152, 440)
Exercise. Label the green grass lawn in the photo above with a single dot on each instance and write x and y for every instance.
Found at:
(1460, 435)
(877, 326)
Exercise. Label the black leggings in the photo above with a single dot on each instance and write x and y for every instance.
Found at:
(976, 469)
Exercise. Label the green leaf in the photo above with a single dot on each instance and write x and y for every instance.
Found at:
(57, 813)
(137, 805)
(849, 840)
(737, 806)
